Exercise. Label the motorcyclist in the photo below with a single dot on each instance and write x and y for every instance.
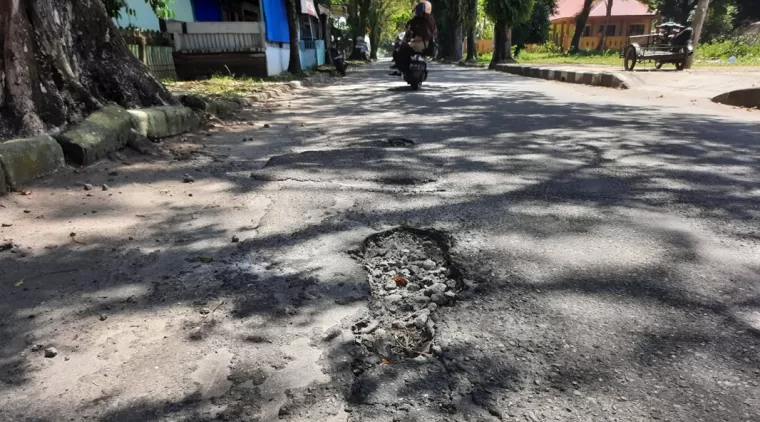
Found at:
(396, 47)
(421, 31)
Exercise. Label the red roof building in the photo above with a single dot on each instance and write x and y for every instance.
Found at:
(628, 17)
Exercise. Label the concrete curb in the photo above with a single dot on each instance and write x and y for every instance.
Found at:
(101, 132)
(24, 160)
(605, 79)
(161, 122)
(748, 98)
(108, 130)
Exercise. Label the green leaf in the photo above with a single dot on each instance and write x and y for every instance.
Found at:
(205, 260)
(18, 283)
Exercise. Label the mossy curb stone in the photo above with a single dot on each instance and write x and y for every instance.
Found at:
(24, 160)
(219, 107)
(102, 132)
(3, 186)
(161, 122)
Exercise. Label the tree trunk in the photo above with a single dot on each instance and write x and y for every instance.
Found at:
(62, 60)
(374, 38)
(471, 45)
(294, 66)
(580, 25)
(358, 21)
(699, 21)
(324, 21)
(603, 37)
(455, 49)
(502, 51)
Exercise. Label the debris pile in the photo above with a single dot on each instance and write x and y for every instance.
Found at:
(410, 276)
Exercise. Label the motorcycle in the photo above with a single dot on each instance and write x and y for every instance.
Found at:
(417, 73)
(338, 60)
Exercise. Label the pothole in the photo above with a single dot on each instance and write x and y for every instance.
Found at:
(400, 142)
(393, 142)
(411, 276)
(401, 180)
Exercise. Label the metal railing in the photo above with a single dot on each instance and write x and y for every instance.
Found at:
(219, 43)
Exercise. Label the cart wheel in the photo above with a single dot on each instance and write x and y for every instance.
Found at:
(680, 65)
(630, 59)
(658, 65)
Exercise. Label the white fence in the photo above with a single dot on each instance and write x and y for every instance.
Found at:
(216, 37)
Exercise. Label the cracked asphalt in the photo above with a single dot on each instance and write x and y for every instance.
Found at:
(609, 242)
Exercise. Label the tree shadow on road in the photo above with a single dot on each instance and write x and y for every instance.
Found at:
(531, 184)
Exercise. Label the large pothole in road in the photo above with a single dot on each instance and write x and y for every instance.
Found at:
(411, 276)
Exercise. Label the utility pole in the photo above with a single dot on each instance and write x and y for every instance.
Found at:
(699, 19)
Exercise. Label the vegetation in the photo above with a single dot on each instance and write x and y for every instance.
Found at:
(506, 14)
(226, 85)
(745, 49)
(162, 8)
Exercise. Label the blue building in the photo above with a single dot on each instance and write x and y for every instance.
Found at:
(242, 37)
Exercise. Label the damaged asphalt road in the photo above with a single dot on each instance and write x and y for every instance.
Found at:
(488, 248)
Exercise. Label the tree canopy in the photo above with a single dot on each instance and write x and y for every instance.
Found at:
(162, 8)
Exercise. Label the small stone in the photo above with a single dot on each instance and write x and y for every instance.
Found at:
(421, 320)
(188, 178)
(450, 295)
(51, 352)
(432, 306)
(87, 186)
(104, 187)
(266, 126)
(235, 239)
(412, 287)
(436, 288)
(394, 298)
(67, 358)
(371, 327)
(429, 264)
(437, 350)
(103, 317)
(205, 311)
(368, 340)
(577, 393)
(391, 285)
(439, 299)
(37, 347)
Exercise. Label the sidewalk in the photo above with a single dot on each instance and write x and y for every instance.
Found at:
(701, 82)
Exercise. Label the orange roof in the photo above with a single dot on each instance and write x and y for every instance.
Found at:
(570, 8)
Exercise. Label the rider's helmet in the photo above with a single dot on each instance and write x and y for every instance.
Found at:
(423, 8)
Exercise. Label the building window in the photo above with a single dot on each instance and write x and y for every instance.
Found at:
(611, 30)
(637, 29)
(587, 31)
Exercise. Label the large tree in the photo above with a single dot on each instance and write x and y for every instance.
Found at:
(580, 25)
(699, 20)
(294, 64)
(471, 23)
(449, 16)
(383, 21)
(607, 17)
(358, 20)
(536, 29)
(63, 59)
(506, 14)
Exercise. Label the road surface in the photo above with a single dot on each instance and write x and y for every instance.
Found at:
(598, 250)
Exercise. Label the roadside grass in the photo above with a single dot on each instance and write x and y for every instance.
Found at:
(230, 85)
(745, 51)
